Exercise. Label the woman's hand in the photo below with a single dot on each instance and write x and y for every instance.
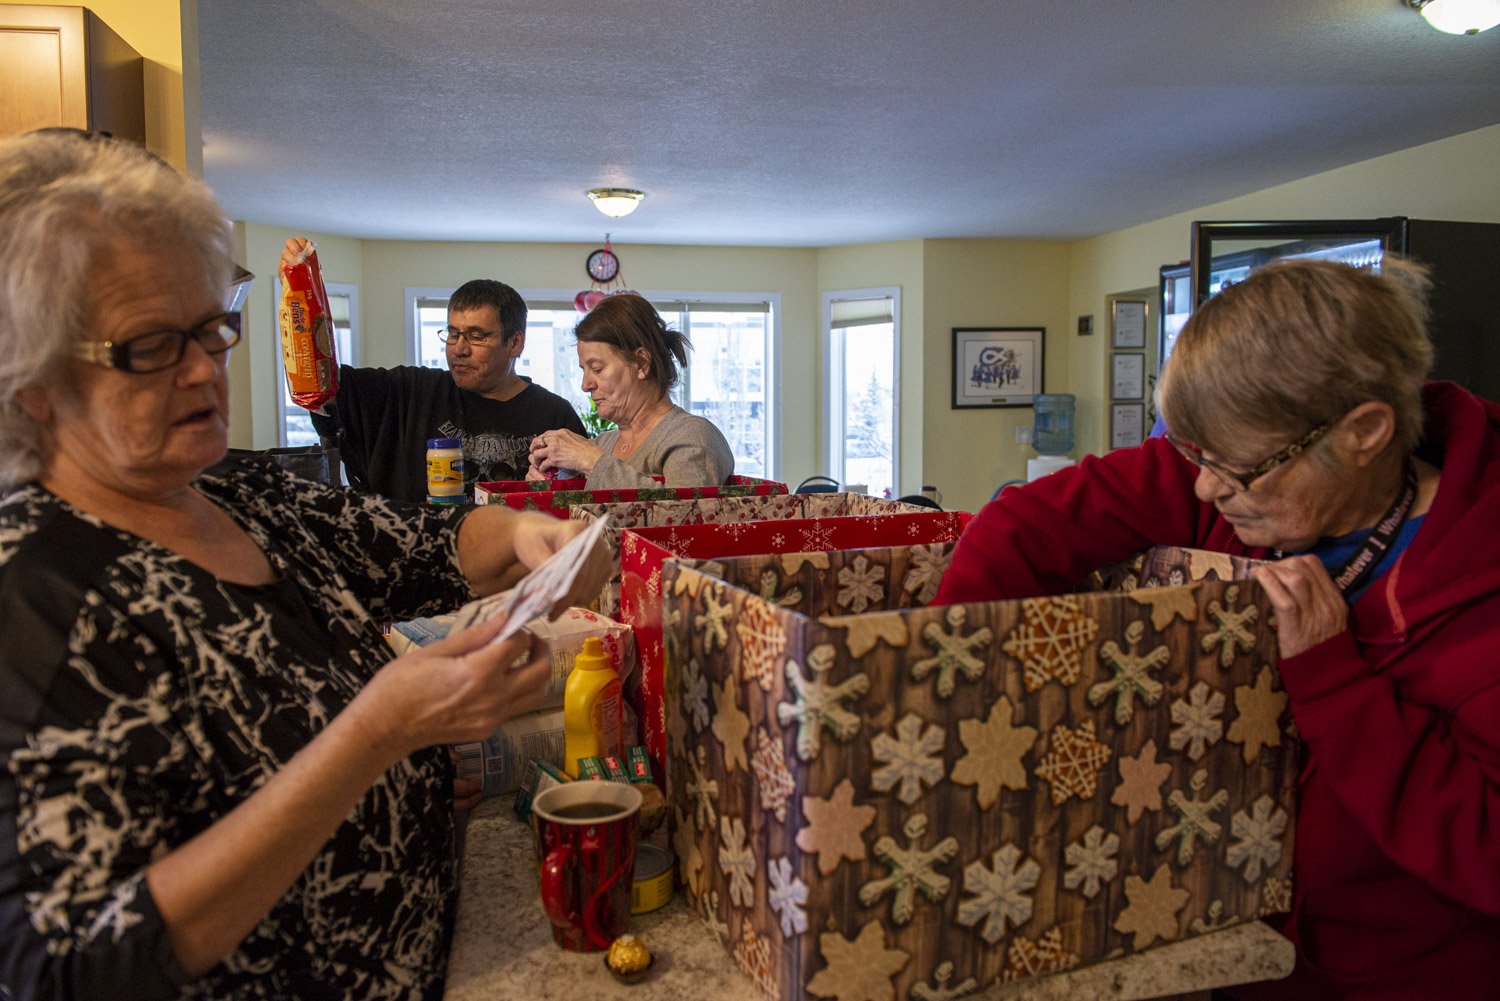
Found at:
(457, 689)
(563, 449)
(295, 247)
(1309, 609)
(538, 537)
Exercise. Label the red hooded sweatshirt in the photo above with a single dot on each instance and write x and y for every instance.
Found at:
(1397, 877)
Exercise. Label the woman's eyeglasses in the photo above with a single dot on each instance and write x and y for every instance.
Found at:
(1239, 480)
(161, 349)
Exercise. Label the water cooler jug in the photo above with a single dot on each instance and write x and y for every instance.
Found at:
(1051, 433)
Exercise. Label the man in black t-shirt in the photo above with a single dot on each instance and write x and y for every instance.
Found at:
(383, 417)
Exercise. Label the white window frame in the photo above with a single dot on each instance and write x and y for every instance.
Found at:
(772, 300)
(835, 393)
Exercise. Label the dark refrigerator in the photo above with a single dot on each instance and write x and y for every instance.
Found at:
(1464, 258)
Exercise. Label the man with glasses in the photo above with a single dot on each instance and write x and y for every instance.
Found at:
(382, 418)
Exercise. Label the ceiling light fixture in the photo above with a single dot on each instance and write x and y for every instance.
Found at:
(1458, 17)
(616, 202)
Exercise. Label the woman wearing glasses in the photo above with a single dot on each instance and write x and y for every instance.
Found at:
(1302, 431)
(218, 782)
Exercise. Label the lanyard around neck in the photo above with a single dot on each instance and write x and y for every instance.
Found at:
(1358, 568)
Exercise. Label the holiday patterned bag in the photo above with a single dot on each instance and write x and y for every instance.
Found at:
(644, 550)
(556, 496)
(874, 800)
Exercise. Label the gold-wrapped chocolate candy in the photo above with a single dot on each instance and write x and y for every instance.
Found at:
(628, 958)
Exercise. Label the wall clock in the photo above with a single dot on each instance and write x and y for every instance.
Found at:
(603, 265)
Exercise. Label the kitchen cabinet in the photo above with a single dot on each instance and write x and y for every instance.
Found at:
(65, 66)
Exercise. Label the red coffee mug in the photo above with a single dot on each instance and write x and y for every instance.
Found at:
(585, 845)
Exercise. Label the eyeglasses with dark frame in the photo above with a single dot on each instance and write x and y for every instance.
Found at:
(1240, 481)
(161, 349)
(475, 337)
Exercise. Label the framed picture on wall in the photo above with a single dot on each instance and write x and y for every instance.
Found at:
(1129, 324)
(1129, 382)
(1127, 424)
(997, 366)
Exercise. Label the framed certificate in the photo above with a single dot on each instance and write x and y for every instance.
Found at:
(1129, 381)
(1127, 425)
(1130, 324)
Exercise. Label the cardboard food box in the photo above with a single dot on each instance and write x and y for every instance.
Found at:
(556, 496)
(874, 800)
(643, 551)
(724, 511)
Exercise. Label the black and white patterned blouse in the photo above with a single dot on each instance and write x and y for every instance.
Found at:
(142, 698)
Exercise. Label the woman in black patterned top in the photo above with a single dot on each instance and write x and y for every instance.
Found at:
(218, 782)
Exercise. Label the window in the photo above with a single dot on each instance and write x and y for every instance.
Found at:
(343, 301)
(729, 378)
(862, 387)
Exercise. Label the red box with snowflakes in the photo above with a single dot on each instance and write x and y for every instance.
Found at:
(556, 496)
(875, 800)
(644, 550)
(725, 511)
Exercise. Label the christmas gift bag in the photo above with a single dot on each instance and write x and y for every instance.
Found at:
(874, 799)
(643, 550)
(556, 496)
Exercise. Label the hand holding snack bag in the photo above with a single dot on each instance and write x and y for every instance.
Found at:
(307, 346)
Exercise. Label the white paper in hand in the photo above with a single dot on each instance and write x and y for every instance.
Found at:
(538, 591)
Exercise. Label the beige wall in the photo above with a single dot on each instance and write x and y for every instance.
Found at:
(155, 29)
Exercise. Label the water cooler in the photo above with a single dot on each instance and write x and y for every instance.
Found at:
(1051, 434)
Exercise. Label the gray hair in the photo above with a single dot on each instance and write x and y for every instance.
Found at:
(67, 198)
(1299, 343)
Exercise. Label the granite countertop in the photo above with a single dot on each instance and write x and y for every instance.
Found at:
(503, 949)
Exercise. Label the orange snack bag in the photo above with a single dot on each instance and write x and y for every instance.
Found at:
(307, 346)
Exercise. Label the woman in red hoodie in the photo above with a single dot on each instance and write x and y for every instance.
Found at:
(1301, 430)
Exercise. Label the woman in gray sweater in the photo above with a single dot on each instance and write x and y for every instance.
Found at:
(630, 361)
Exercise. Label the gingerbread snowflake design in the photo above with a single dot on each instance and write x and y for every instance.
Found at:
(752, 954)
(1091, 861)
(863, 632)
(1259, 831)
(955, 651)
(835, 827)
(712, 622)
(1050, 640)
(818, 705)
(737, 860)
(1197, 721)
(1235, 630)
(913, 758)
(861, 585)
(1152, 913)
(689, 856)
(928, 564)
(1194, 818)
(1276, 896)
(770, 589)
(708, 910)
(694, 696)
(1026, 957)
(761, 642)
(771, 775)
(787, 897)
(995, 748)
(939, 990)
(1259, 709)
(731, 726)
(911, 870)
(1141, 778)
(701, 789)
(1132, 674)
(1073, 761)
(1166, 604)
(857, 970)
(1000, 892)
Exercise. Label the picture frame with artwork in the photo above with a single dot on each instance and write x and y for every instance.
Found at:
(997, 366)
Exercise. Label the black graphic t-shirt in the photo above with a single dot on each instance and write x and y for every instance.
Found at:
(383, 418)
(142, 699)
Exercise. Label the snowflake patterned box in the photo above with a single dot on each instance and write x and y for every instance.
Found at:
(644, 550)
(874, 800)
(556, 496)
(724, 510)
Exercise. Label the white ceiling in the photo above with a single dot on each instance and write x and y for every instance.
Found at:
(806, 122)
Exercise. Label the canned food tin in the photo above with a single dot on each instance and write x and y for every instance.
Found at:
(653, 879)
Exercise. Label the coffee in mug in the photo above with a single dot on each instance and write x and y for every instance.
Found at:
(585, 844)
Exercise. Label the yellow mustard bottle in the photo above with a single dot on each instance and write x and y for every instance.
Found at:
(591, 707)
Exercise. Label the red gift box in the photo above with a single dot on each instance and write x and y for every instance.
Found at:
(556, 496)
(644, 550)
